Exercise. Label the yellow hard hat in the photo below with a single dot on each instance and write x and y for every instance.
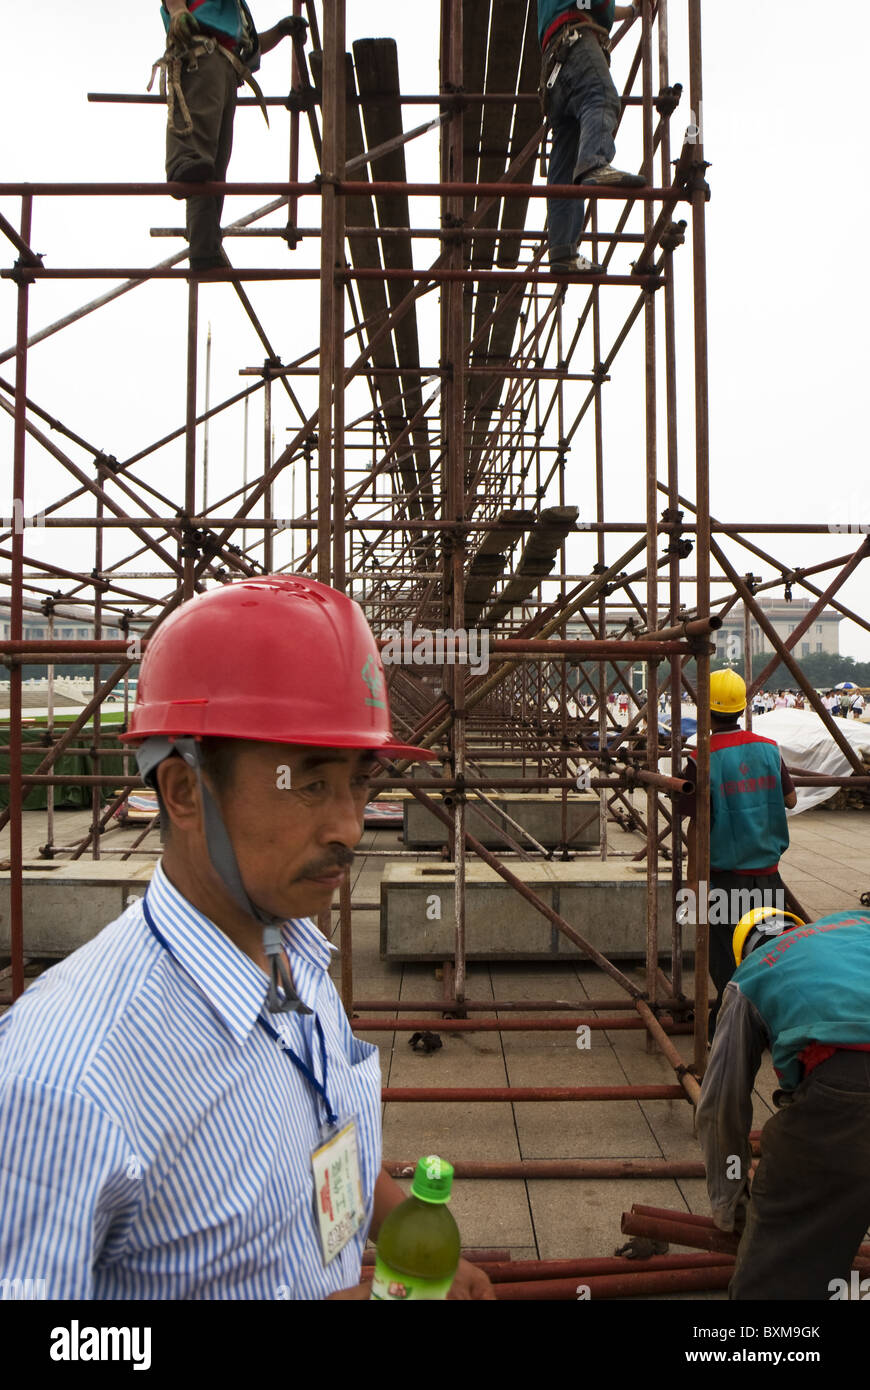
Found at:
(759, 925)
(727, 692)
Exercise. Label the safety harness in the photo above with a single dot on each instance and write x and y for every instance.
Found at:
(171, 66)
(556, 54)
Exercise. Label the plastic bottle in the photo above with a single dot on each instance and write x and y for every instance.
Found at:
(418, 1246)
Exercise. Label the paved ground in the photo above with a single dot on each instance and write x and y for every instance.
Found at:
(827, 866)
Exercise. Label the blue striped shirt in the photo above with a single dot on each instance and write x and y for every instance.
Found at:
(155, 1142)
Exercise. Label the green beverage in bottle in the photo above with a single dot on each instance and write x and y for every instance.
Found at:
(418, 1247)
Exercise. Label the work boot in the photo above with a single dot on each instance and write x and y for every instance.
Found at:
(608, 177)
(576, 265)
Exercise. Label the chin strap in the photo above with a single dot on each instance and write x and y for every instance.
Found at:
(279, 975)
(225, 865)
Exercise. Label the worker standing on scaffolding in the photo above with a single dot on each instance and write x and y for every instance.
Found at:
(212, 46)
(185, 1112)
(750, 790)
(804, 992)
(582, 106)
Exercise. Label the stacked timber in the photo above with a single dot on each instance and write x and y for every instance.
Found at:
(851, 798)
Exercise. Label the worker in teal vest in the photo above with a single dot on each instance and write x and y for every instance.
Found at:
(803, 991)
(583, 107)
(212, 46)
(750, 790)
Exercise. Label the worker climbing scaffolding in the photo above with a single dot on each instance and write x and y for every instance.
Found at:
(212, 47)
(583, 107)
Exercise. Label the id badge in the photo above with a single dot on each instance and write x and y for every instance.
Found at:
(338, 1194)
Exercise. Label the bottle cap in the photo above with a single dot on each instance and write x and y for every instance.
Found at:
(433, 1179)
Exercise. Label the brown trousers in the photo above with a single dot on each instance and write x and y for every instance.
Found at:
(209, 84)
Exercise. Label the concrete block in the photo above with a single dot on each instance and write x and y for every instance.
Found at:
(539, 813)
(605, 901)
(67, 902)
(510, 771)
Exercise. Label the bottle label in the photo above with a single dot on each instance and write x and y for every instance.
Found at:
(389, 1285)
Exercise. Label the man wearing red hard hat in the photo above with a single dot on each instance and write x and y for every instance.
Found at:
(184, 1109)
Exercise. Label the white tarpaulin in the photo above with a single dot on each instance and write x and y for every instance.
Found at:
(805, 743)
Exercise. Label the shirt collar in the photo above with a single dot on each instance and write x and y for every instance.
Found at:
(234, 986)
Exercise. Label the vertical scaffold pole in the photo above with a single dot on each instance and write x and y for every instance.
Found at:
(16, 848)
(453, 454)
(268, 533)
(701, 875)
(331, 292)
(652, 797)
(331, 559)
(673, 506)
(187, 551)
(600, 565)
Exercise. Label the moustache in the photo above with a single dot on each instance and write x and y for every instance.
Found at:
(341, 858)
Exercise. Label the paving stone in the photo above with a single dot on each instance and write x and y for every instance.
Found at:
(582, 1218)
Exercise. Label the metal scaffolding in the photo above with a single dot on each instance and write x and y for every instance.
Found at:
(442, 497)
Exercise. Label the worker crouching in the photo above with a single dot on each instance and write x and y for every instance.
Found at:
(803, 991)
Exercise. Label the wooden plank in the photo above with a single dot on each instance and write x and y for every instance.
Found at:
(365, 253)
(377, 73)
(536, 561)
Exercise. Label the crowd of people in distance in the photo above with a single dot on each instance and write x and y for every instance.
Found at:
(845, 704)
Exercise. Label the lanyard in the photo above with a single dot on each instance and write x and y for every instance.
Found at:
(301, 1066)
(319, 1087)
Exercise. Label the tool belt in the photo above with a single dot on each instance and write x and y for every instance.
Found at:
(173, 64)
(556, 53)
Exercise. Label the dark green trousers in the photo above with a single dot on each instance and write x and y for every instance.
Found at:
(768, 887)
(810, 1204)
(209, 84)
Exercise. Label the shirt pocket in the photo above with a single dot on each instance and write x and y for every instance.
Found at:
(355, 1089)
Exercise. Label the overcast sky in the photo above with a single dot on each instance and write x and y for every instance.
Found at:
(785, 134)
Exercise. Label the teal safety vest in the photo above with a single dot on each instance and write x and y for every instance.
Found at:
(601, 12)
(749, 829)
(229, 17)
(812, 984)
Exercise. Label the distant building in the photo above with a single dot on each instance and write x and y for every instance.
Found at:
(71, 624)
(822, 635)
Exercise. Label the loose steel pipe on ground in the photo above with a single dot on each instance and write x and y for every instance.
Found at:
(704, 1222)
(699, 1232)
(506, 1025)
(538, 1169)
(521, 1271)
(440, 1095)
(680, 1233)
(499, 1005)
(618, 1285)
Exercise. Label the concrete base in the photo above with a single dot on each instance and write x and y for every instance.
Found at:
(515, 771)
(539, 813)
(512, 771)
(604, 901)
(66, 903)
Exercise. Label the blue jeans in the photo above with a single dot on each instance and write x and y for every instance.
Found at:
(584, 112)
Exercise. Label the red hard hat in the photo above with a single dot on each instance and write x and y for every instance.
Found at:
(277, 660)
